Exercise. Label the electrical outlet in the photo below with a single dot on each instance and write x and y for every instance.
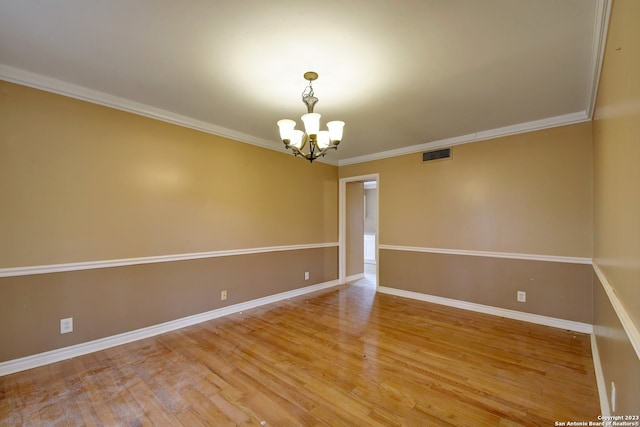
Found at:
(306, 275)
(522, 296)
(223, 295)
(66, 325)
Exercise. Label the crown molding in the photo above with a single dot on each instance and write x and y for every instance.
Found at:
(601, 23)
(48, 84)
(600, 30)
(551, 122)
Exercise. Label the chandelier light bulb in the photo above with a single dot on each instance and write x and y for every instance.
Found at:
(286, 129)
(335, 131)
(311, 123)
(324, 140)
(297, 139)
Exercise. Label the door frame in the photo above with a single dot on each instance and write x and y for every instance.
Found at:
(342, 222)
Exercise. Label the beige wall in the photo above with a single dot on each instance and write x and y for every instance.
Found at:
(354, 228)
(525, 194)
(81, 182)
(108, 301)
(554, 289)
(617, 201)
(618, 359)
(370, 218)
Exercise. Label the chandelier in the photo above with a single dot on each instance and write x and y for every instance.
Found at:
(313, 142)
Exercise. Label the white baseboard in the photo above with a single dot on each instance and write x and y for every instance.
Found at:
(496, 311)
(601, 383)
(354, 277)
(29, 362)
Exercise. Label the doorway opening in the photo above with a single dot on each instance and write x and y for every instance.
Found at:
(370, 231)
(358, 229)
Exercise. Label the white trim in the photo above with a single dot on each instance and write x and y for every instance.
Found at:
(584, 328)
(354, 277)
(529, 257)
(551, 122)
(342, 221)
(30, 362)
(342, 232)
(38, 81)
(600, 29)
(600, 382)
(370, 185)
(627, 323)
(601, 24)
(90, 265)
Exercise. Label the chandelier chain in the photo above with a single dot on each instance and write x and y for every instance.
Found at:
(308, 91)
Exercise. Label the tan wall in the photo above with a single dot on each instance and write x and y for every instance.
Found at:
(554, 289)
(370, 219)
(618, 359)
(108, 301)
(354, 228)
(526, 194)
(82, 182)
(617, 200)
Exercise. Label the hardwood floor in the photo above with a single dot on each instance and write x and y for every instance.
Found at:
(340, 357)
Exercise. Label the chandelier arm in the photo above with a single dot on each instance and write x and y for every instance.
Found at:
(298, 152)
(312, 148)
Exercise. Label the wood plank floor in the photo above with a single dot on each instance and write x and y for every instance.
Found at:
(340, 357)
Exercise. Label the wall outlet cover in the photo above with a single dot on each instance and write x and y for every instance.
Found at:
(66, 325)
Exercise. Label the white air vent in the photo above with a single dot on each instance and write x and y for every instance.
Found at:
(444, 153)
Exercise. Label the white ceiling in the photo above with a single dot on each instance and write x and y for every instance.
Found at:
(403, 75)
